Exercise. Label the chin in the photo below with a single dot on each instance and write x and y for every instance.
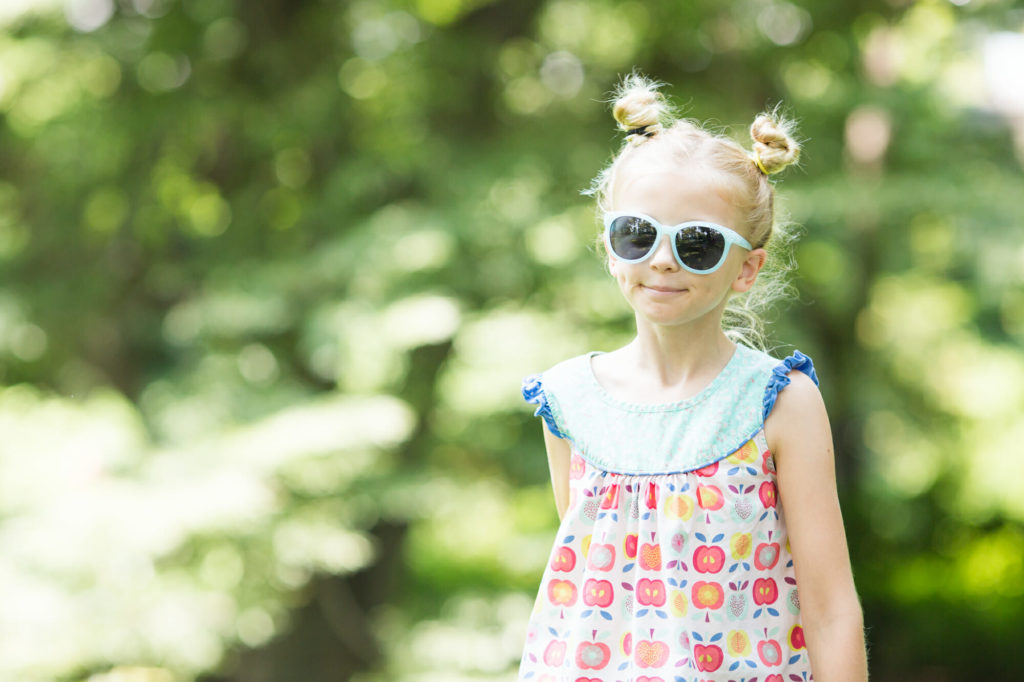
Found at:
(662, 316)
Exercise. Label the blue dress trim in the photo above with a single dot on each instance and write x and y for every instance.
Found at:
(780, 380)
(533, 392)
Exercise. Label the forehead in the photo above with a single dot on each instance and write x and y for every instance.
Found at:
(675, 194)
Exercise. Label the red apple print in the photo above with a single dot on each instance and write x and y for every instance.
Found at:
(768, 494)
(652, 495)
(592, 655)
(708, 559)
(769, 652)
(576, 467)
(773, 678)
(611, 497)
(709, 497)
(651, 654)
(597, 593)
(708, 470)
(650, 557)
(709, 658)
(767, 463)
(562, 592)
(765, 591)
(796, 638)
(766, 556)
(564, 559)
(644, 678)
(582, 679)
(601, 557)
(554, 654)
(629, 546)
(707, 595)
(650, 592)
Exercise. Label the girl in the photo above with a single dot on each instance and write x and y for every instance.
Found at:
(701, 536)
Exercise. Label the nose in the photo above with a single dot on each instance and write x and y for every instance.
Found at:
(663, 258)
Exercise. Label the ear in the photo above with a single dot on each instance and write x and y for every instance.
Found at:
(752, 265)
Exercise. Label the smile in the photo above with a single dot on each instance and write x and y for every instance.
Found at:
(662, 290)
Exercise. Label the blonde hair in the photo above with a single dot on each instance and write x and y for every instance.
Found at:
(655, 132)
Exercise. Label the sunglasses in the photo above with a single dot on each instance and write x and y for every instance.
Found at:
(699, 246)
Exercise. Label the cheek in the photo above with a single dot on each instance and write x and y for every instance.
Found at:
(731, 268)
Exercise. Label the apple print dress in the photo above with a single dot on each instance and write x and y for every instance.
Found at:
(671, 563)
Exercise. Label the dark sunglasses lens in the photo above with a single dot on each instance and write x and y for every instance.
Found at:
(632, 237)
(700, 247)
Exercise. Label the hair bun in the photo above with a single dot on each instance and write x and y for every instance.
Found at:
(638, 104)
(774, 146)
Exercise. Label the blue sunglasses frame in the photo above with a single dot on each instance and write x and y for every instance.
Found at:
(730, 237)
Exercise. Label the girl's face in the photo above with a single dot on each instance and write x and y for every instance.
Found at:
(659, 289)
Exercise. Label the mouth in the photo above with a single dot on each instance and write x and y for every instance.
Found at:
(664, 290)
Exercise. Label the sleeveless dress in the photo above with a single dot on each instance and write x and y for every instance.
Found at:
(671, 563)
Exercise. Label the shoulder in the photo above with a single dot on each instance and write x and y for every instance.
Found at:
(553, 390)
(567, 375)
(799, 415)
(800, 395)
(570, 369)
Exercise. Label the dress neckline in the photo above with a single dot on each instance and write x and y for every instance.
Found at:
(700, 396)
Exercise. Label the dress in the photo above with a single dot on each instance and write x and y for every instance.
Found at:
(671, 563)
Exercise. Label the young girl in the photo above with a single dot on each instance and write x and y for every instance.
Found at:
(701, 536)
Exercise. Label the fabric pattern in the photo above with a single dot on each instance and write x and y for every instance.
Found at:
(533, 392)
(780, 378)
(672, 561)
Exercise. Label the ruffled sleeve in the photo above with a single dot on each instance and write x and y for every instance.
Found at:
(533, 392)
(780, 379)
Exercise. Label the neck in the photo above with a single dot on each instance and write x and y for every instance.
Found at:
(673, 355)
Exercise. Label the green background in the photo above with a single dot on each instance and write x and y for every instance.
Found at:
(272, 273)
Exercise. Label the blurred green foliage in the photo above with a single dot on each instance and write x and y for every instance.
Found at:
(272, 273)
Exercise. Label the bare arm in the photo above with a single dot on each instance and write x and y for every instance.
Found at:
(800, 439)
(558, 463)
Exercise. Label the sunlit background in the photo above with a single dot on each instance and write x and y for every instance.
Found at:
(272, 272)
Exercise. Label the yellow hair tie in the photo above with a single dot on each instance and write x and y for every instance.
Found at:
(757, 160)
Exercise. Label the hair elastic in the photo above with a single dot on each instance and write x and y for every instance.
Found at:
(642, 130)
(757, 160)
